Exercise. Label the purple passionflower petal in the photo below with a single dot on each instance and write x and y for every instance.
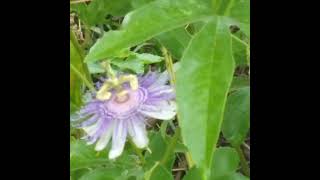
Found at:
(111, 119)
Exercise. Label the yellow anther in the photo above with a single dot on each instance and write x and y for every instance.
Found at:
(115, 83)
(103, 94)
(132, 79)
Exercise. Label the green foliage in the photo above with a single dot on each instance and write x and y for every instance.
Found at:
(176, 41)
(144, 23)
(136, 62)
(77, 67)
(236, 119)
(224, 166)
(203, 82)
(213, 96)
(96, 12)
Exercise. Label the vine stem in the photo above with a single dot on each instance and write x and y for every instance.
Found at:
(244, 165)
(84, 79)
(108, 69)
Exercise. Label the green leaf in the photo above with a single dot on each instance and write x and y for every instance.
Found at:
(88, 15)
(175, 41)
(158, 146)
(138, 3)
(102, 174)
(95, 68)
(113, 173)
(193, 174)
(224, 165)
(239, 82)
(150, 20)
(237, 114)
(84, 156)
(77, 174)
(233, 176)
(239, 51)
(131, 64)
(158, 172)
(239, 10)
(203, 81)
(147, 58)
(96, 12)
(75, 82)
(225, 162)
(76, 60)
(161, 173)
(136, 62)
(180, 148)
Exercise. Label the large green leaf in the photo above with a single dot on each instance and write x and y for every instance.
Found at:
(237, 114)
(148, 21)
(203, 81)
(175, 41)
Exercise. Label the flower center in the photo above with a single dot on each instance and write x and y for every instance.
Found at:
(116, 83)
(122, 98)
(124, 103)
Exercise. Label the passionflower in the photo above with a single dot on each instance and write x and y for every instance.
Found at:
(121, 107)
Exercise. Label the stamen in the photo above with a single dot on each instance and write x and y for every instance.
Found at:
(103, 94)
(132, 79)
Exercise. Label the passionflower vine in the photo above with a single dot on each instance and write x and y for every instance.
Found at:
(121, 107)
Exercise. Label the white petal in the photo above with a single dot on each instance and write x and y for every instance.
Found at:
(165, 110)
(91, 130)
(118, 139)
(162, 80)
(105, 137)
(161, 90)
(138, 133)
